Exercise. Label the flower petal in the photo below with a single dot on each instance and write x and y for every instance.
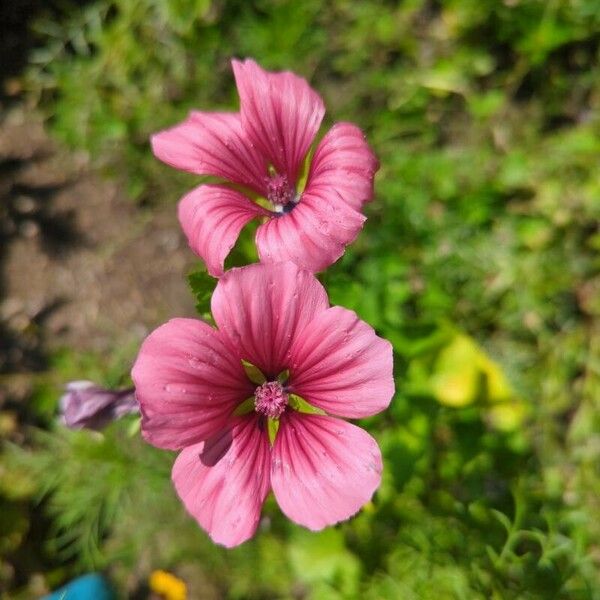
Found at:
(212, 217)
(224, 481)
(324, 469)
(343, 165)
(280, 112)
(340, 365)
(212, 144)
(313, 235)
(261, 308)
(187, 383)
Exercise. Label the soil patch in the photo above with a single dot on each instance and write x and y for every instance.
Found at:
(79, 259)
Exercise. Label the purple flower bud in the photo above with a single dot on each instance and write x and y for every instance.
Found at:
(87, 405)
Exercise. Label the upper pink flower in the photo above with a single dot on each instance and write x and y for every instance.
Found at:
(310, 217)
(196, 394)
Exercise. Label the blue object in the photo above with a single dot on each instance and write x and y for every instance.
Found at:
(88, 587)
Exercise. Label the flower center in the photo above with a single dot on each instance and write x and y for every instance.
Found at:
(279, 191)
(270, 399)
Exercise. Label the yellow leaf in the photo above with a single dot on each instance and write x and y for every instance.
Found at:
(507, 416)
(456, 376)
(455, 389)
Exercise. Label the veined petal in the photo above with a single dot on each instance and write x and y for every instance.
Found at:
(261, 309)
(324, 469)
(339, 364)
(187, 382)
(280, 113)
(212, 144)
(313, 235)
(212, 217)
(343, 166)
(224, 481)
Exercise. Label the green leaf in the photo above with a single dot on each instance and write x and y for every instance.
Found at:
(273, 428)
(283, 376)
(255, 375)
(244, 408)
(301, 405)
(322, 557)
(503, 519)
(134, 427)
(202, 286)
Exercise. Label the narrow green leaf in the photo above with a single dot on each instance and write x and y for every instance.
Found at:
(303, 176)
(134, 427)
(254, 373)
(273, 428)
(301, 405)
(244, 408)
(283, 376)
(502, 518)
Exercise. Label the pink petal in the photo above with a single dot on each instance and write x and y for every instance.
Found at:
(212, 144)
(187, 382)
(212, 217)
(340, 365)
(313, 235)
(224, 481)
(324, 469)
(261, 308)
(280, 112)
(343, 165)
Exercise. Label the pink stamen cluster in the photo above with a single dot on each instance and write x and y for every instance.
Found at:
(279, 191)
(270, 399)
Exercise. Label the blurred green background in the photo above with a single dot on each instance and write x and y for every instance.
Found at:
(479, 261)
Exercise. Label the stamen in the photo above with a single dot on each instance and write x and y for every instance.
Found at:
(279, 191)
(270, 399)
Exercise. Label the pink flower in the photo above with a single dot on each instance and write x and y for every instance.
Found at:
(261, 150)
(197, 395)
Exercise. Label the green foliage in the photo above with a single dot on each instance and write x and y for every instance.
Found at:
(202, 286)
(479, 261)
(323, 562)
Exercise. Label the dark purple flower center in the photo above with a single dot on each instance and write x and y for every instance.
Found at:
(270, 399)
(279, 191)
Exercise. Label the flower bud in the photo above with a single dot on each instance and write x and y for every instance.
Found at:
(87, 405)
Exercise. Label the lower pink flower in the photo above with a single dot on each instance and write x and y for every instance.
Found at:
(234, 400)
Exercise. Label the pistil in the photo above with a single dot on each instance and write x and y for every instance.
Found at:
(270, 399)
(279, 192)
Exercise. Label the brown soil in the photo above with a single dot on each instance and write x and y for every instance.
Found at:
(80, 259)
